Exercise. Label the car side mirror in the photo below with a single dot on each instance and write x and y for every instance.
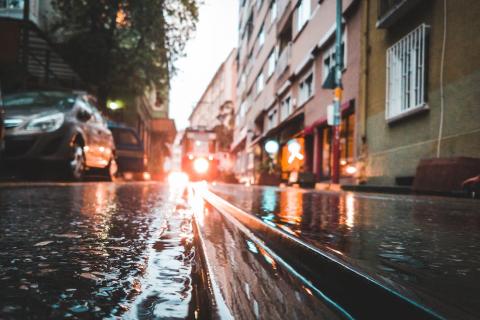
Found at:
(83, 115)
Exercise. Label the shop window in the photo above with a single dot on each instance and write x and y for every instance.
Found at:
(347, 139)
(326, 151)
(293, 155)
(347, 145)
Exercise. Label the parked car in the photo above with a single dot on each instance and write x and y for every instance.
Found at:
(130, 154)
(60, 128)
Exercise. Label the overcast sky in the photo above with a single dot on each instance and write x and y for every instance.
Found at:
(215, 37)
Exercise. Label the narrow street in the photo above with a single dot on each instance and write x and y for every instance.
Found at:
(154, 251)
(94, 250)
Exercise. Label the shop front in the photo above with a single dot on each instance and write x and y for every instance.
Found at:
(291, 157)
(321, 143)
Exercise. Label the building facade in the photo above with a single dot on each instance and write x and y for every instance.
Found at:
(285, 53)
(28, 59)
(216, 108)
(421, 62)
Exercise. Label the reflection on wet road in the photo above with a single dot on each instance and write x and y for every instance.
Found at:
(94, 250)
(427, 248)
(251, 282)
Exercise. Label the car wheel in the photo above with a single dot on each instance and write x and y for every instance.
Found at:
(76, 163)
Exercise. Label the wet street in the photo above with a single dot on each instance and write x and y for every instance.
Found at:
(94, 250)
(153, 251)
(426, 248)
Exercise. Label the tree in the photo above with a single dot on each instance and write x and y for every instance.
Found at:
(121, 47)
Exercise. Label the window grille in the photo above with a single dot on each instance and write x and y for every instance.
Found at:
(406, 74)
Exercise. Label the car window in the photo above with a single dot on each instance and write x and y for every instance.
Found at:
(39, 100)
(125, 137)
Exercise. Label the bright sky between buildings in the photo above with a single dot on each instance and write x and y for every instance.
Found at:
(216, 35)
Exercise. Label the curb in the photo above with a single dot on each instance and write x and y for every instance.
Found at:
(356, 292)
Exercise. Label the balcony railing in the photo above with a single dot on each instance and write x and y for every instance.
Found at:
(390, 11)
(284, 60)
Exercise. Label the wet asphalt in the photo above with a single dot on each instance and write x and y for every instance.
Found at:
(94, 251)
(426, 248)
(130, 250)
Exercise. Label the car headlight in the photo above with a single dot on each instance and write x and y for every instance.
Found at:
(47, 123)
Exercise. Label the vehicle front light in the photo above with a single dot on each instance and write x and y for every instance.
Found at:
(46, 124)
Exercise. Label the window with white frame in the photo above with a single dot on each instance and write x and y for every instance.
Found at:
(261, 36)
(273, 11)
(406, 74)
(286, 108)
(243, 109)
(271, 62)
(306, 88)
(272, 119)
(330, 56)
(303, 13)
(260, 82)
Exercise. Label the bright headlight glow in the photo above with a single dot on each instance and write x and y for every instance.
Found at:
(47, 123)
(200, 165)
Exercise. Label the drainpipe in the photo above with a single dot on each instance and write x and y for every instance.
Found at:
(365, 50)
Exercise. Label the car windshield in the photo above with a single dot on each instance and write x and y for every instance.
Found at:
(40, 100)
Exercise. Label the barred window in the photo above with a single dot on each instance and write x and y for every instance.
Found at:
(406, 74)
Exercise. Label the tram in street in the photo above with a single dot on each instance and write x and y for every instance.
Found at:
(199, 159)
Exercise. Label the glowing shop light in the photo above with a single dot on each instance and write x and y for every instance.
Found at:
(271, 146)
(294, 148)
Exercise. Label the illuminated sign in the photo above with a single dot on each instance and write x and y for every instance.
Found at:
(294, 148)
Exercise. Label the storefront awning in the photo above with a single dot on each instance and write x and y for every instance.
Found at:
(165, 126)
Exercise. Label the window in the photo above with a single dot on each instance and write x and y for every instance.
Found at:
(272, 119)
(261, 36)
(260, 82)
(306, 88)
(303, 13)
(329, 57)
(249, 26)
(272, 60)
(406, 74)
(286, 108)
(273, 11)
(11, 4)
(259, 4)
